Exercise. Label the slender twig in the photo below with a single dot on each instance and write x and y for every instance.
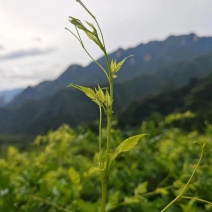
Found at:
(103, 41)
(187, 184)
(73, 34)
(94, 19)
(100, 135)
(155, 192)
(197, 199)
(83, 46)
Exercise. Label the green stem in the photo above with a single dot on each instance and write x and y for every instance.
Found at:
(155, 192)
(100, 136)
(109, 121)
(108, 140)
(105, 178)
(187, 184)
(81, 42)
(89, 12)
(103, 42)
(95, 61)
(104, 195)
(197, 199)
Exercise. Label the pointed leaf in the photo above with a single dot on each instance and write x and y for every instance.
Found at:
(127, 144)
(162, 191)
(108, 100)
(77, 23)
(119, 65)
(114, 67)
(100, 94)
(141, 188)
(93, 38)
(87, 91)
(92, 26)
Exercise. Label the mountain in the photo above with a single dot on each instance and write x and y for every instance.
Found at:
(38, 116)
(196, 97)
(148, 59)
(7, 96)
(72, 107)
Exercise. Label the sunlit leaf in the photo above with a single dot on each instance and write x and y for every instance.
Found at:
(87, 91)
(92, 26)
(108, 100)
(74, 176)
(93, 170)
(92, 37)
(100, 94)
(162, 191)
(115, 67)
(127, 144)
(141, 188)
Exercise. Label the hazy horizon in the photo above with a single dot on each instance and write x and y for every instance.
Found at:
(34, 46)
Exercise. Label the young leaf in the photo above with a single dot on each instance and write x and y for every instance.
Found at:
(100, 94)
(92, 26)
(127, 144)
(74, 176)
(108, 101)
(78, 24)
(115, 67)
(94, 170)
(141, 188)
(87, 91)
(93, 38)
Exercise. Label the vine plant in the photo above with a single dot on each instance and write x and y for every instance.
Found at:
(104, 98)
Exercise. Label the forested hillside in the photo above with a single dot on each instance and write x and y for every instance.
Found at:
(195, 97)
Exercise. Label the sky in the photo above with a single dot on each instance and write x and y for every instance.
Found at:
(34, 45)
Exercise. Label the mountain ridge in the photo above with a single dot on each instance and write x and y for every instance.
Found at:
(147, 59)
(74, 108)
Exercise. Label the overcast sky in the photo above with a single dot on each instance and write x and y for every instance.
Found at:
(34, 45)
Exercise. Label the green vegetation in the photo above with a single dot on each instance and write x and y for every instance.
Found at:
(63, 170)
(53, 175)
(196, 97)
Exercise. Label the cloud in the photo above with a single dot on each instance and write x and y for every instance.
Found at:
(37, 39)
(26, 53)
(1, 47)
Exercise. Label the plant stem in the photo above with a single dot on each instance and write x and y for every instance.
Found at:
(100, 136)
(109, 121)
(104, 195)
(83, 46)
(197, 199)
(187, 184)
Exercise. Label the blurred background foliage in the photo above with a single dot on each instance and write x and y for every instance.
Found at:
(52, 173)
